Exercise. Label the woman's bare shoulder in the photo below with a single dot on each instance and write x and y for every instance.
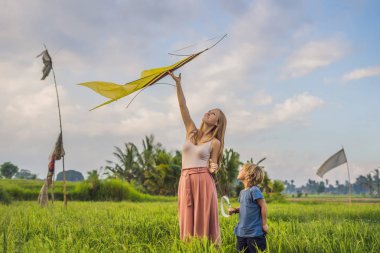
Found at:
(215, 143)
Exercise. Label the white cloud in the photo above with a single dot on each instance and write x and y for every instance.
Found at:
(315, 55)
(292, 109)
(361, 73)
(262, 98)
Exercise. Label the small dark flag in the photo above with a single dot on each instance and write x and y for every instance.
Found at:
(48, 64)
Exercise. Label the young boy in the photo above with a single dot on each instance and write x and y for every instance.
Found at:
(252, 226)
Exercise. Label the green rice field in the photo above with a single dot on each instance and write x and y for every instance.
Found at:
(153, 227)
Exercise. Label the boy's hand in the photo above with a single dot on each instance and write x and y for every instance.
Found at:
(265, 228)
(231, 210)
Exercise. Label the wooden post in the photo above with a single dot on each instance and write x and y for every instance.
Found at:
(60, 126)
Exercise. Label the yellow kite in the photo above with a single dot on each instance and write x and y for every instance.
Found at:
(115, 91)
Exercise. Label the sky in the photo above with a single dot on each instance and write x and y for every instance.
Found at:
(297, 80)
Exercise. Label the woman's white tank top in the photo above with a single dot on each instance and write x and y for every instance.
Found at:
(194, 156)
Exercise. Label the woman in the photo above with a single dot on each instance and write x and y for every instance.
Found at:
(201, 156)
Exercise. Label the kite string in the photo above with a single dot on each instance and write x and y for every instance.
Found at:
(135, 97)
(167, 84)
(191, 45)
(56, 52)
(144, 89)
(224, 36)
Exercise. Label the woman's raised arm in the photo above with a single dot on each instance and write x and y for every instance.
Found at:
(189, 123)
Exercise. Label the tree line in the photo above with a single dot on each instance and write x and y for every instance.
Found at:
(156, 171)
(9, 170)
(368, 185)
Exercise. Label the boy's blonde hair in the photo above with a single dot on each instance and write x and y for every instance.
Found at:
(254, 174)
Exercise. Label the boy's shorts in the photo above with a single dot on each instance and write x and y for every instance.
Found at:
(249, 244)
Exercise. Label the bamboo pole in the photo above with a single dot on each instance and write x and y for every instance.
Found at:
(378, 182)
(60, 126)
(349, 179)
(52, 189)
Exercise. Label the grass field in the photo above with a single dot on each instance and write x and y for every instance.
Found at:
(107, 190)
(153, 227)
(343, 198)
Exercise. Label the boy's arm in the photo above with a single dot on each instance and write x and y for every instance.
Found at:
(264, 210)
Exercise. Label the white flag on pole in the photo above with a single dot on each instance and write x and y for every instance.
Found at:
(334, 161)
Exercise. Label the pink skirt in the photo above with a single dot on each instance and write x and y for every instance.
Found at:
(198, 205)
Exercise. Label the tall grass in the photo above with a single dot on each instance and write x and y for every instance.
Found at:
(153, 227)
(103, 190)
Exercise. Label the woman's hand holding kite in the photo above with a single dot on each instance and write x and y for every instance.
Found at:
(177, 79)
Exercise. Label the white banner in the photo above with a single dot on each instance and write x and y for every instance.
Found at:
(334, 161)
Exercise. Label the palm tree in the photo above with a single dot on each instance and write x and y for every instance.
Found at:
(173, 173)
(146, 159)
(228, 171)
(293, 187)
(266, 185)
(278, 186)
(154, 180)
(163, 178)
(126, 167)
(93, 175)
(370, 183)
(363, 183)
(154, 177)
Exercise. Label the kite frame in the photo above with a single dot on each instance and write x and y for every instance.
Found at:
(160, 76)
(222, 204)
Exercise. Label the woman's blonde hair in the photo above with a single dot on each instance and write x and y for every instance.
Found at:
(254, 174)
(218, 133)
